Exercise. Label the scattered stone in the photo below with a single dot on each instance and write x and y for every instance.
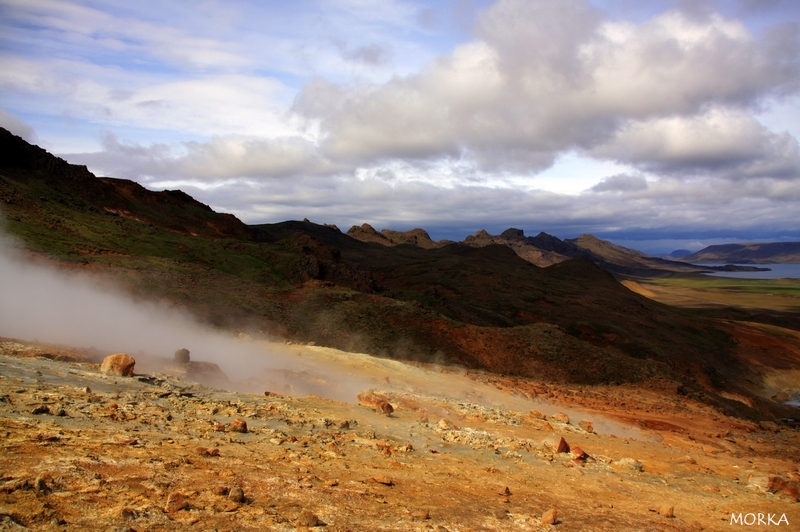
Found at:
(210, 451)
(561, 417)
(769, 425)
(118, 364)
(777, 485)
(632, 464)
(182, 356)
(421, 515)
(309, 519)
(667, 511)
(383, 479)
(41, 409)
(557, 443)
(578, 453)
(236, 494)
(129, 513)
(219, 427)
(538, 415)
(176, 502)
(550, 517)
(238, 425)
(586, 425)
(40, 485)
(505, 492)
(782, 397)
(221, 491)
(686, 460)
(385, 408)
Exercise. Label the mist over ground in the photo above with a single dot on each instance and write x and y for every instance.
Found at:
(46, 304)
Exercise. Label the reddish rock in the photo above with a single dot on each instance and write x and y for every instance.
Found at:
(578, 453)
(238, 425)
(557, 443)
(383, 479)
(309, 519)
(561, 416)
(587, 425)
(385, 408)
(777, 485)
(236, 494)
(175, 503)
(537, 415)
(550, 517)
(667, 511)
(119, 364)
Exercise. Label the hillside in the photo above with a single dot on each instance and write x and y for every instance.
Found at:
(756, 253)
(479, 307)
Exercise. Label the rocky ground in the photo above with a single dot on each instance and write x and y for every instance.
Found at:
(82, 450)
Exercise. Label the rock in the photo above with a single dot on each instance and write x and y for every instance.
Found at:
(578, 453)
(176, 502)
(586, 425)
(769, 425)
(118, 364)
(777, 485)
(421, 515)
(40, 485)
(557, 443)
(667, 511)
(210, 451)
(236, 494)
(686, 460)
(505, 492)
(561, 416)
(782, 397)
(383, 479)
(632, 464)
(129, 513)
(550, 517)
(238, 425)
(308, 518)
(182, 356)
(41, 409)
(537, 415)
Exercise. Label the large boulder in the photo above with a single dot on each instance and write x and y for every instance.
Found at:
(118, 364)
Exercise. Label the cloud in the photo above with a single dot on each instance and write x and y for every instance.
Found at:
(727, 142)
(621, 183)
(546, 77)
(17, 126)
(366, 111)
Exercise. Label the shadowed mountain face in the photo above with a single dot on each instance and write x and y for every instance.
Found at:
(479, 306)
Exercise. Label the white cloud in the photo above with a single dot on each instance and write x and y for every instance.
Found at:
(341, 111)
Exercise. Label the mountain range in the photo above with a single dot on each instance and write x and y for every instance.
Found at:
(482, 303)
(753, 253)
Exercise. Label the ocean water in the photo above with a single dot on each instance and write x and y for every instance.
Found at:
(777, 271)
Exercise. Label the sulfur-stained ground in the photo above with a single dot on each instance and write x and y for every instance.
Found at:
(86, 451)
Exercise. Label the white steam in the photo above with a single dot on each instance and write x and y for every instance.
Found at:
(46, 304)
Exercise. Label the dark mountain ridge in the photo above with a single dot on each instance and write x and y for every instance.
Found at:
(753, 253)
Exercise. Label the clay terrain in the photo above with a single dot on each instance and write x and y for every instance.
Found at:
(456, 450)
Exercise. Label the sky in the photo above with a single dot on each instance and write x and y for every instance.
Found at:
(655, 124)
